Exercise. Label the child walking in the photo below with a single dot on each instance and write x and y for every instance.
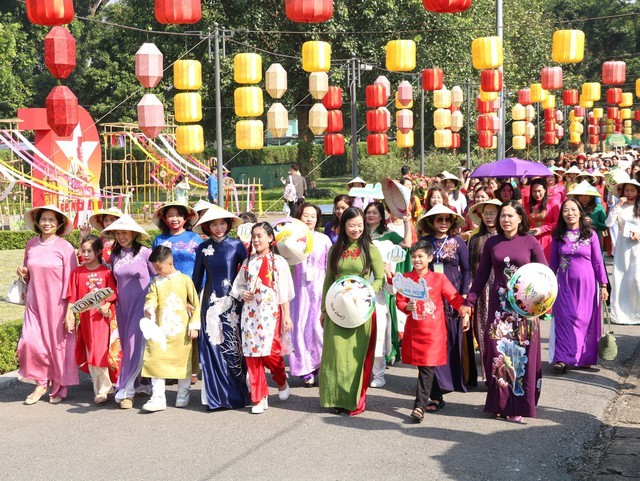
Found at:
(170, 305)
(93, 334)
(265, 285)
(425, 336)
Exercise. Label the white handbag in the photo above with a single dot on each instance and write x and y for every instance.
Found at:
(17, 292)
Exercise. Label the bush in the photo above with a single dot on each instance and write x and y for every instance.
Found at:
(10, 240)
(9, 337)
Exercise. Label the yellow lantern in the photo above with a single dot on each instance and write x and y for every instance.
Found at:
(399, 106)
(549, 102)
(609, 128)
(405, 140)
(249, 134)
(189, 139)
(627, 99)
(188, 107)
(626, 114)
(575, 137)
(316, 56)
(488, 96)
(457, 96)
(443, 139)
(598, 113)
(538, 94)
(401, 55)
(518, 112)
(627, 123)
(518, 127)
(187, 75)
(627, 131)
(487, 53)
(318, 84)
(587, 104)
(529, 130)
(247, 68)
(442, 98)
(519, 142)
(529, 113)
(277, 120)
(318, 119)
(568, 46)
(248, 101)
(638, 87)
(576, 127)
(276, 80)
(442, 119)
(494, 142)
(457, 121)
(590, 91)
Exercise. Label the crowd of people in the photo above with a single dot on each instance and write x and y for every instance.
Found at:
(202, 303)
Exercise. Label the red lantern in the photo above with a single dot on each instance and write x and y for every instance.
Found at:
(484, 123)
(594, 139)
(178, 11)
(549, 114)
(613, 113)
(614, 72)
(150, 116)
(593, 130)
(483, 107)
(485, 139)
(60, 52)
(446, 6)
(579, 112)
(377, 144)
(405, 93)
(524, 97)
(636, 115)
(375, 96)
(377, 121)
(614, 96)
(455, 140)
(591, 119)
(334, 121)
(333, 98)
(432, 79)
(551, 78)
(570, 97)
(309, 11)
(491, 80)
(333, 144)
(149, 65)
(603, 136)
(50, 12)
(550, 138)
(550, 126)
(62, 111)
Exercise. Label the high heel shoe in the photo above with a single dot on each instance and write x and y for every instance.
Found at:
(35, 396)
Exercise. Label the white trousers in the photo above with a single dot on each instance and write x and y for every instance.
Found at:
(158, 388)
(101, 381)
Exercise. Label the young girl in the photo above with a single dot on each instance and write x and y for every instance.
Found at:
(100, 221)
(93, 335)
(265, 285)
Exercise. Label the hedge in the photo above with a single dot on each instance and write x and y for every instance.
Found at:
(10, 240)
(9, 336)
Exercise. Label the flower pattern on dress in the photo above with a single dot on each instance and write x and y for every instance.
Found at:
(351, 253)
(172, 325)
(218, 306)
(572, 238)
(447, 251)
(209, 251)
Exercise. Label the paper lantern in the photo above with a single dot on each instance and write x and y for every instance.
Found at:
(597, 113)
(593, 130)
(405, 93)
(559, 116)
(579, 113)
(401, 55)
(517, 112)
(574, 138)
(188, 107)
(636, 115)
(150, 116)
(404, 140)
(377, 121)
(333, 144)
(384, 81)
(550, 137)
(457, 121)
(484, 122)
(277, 120)
(50, 12)
(613, 113)
(549, 125)
(494, 124)
(446, 6)
(594, 139)
(316, 56)
(524, 97)
(568, 46)
(276, 80)
(638, 87)
(187, 75)
(318, 84)
(442, 119)
(399, 106)
(432, 79)
(404, 120)
(149, 65)
(626, 100)
(591, 91)
(518, 127)
(318, 119)
(375, 96)
(189, 139)
(455, 141)
(62, 110)
(309, 11)
(485, 139)
(249, 134)
(529, 113)
(333, 98)
(178, 11)
(614, 96)
(570, 97)
(487, 96)
(529, 130)
(60, 52)
(551, 78)
(587, 104)
(614, 72)
(519, 142)
(538, 94)
(334, 121)
(483, 107)
(576, 127)
(457, 96)
(248, 101)
(443, 139)
(549, 102)
(387, 115)
(442, 98)
(559, 132)
(377, 144)
(486, 53)
(247, 68)
(491, 80)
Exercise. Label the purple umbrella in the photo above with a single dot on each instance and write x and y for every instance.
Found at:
(512, 167)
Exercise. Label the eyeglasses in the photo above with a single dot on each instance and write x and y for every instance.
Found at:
(489, 214)
(443, 219)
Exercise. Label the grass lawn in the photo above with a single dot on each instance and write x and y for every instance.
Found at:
(9, 260)
(327, 190)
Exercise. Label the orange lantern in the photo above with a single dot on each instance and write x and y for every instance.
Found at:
(316, 56)
(432, 79)
(487, 53)
(377, 144)
(568, 46)
(597, 113)
(60, 52)
(549, 102)
(50, 12)
(149, 65)
(491, 80)
(189, 139)
(538, 94)
(62, 110)
(333, 144)
(334, 121)
(614, 72)
(308, 11)
(551, 78)
(627, 99)
(591, 91)
(405, 140)
(188, 107)
(178, 11)
(187, 75)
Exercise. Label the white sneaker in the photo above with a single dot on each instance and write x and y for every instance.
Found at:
(259, 407)
(284, 394)
(182, 400)
(378, 382)
(153, 405)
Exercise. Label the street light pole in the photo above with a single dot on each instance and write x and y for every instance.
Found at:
(354, 125)
(218, 116)
(500, 151)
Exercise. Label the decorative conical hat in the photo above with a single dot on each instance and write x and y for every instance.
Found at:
(584, 188)
(357, 180)
(30, 218)
(424, 223)
(213, 213)
(202, 205)
(621, 185)
(97, 219)
(126, 222)
(573, 170)
(584, 174)
(157, 215)
(475, 211)
(397, 197)
(447, 175)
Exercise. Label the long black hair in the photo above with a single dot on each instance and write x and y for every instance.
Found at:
(523, 227)
(382, 226)
(347, 199)
(588, 209)
(184, 213)
(561, 227)
(96, 244)
(135, 245)
(545, 198)
(364, 243)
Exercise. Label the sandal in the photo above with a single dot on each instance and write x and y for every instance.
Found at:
(560, 368)
(435, 405)
(417, 414)
(514, 419)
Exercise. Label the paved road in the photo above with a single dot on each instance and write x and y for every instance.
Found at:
(297, 439)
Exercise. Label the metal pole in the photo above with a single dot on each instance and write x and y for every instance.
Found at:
(500, 151)
(354, 125)
(421, 131)
(468, 124)
(538, 136)
(218, 116)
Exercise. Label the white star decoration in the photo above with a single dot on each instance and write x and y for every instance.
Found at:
(78, 151)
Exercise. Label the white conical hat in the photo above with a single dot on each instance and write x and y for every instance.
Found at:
(97, 219)
(424, 223)
(573, 170)
(202, 205)
(126, 222)
(30, 218)
(397, 197)
(157, 215)
(448, 175)
(621, 185)
(356, 180)
(584, 188)
(476, 216)
(213, 213)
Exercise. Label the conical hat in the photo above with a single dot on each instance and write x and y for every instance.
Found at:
(614, 178)
(584, 188)
(357, 180)
(621, 185)
(447, 175)
(475, 211)
(202, 205)
(126, 222)
(424, 223)
(213, 213)
(585, 174)
(597, 173)
(157, 215)
(30, 218)
(97, 219)
(397, 197)
(573, 170)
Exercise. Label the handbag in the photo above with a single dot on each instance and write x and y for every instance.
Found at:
(17, 292)
(607, 345)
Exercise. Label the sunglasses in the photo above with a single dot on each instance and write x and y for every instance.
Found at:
(443, 219)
